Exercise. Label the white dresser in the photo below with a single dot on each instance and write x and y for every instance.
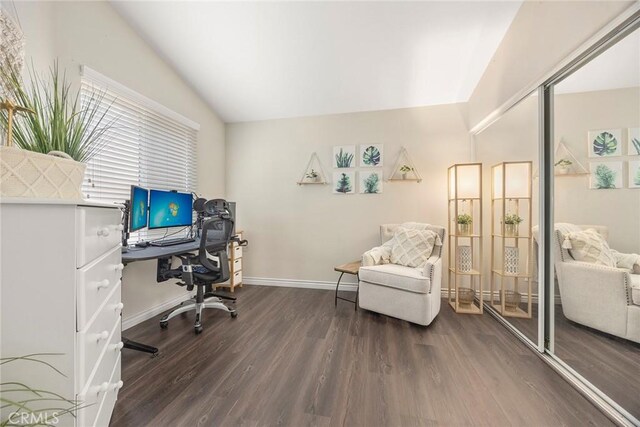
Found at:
(60, 274)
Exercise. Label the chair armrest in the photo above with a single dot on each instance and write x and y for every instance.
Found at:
(595, 295)
(595, 281)
(430, 267)
(433, 270)
(376, 256)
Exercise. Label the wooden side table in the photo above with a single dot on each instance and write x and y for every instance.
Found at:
(349, 268)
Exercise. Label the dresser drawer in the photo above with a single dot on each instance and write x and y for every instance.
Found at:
(109, 400)
(99, 229)
(237, 264)
(237, 252)
(99, 334)
(103, 388)
(95, 282)
(237, 278)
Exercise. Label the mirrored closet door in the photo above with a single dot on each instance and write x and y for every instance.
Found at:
(595, 321)
(508, 149)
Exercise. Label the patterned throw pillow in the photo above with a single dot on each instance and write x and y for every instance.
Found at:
(590, 246)
(412, 248)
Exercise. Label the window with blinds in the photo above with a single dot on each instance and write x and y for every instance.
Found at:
(148, 145)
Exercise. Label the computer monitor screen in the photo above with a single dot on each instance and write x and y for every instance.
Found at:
(139, 208)
(170, 209)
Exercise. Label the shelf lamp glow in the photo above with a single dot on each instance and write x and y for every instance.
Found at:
(516, 178)
(464, 181)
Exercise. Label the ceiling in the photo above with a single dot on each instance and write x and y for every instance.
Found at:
(266, 60)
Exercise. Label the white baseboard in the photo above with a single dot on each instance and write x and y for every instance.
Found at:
(132, 321)
(487, 296)
(294, 283)
(344, 286)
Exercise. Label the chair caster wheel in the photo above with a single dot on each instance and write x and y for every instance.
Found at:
(234, 314)
(198, 329)
(164, 324)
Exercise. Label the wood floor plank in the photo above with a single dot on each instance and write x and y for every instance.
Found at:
(291, 358)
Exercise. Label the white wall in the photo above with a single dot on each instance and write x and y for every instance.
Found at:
(93, 34)
(542, 34)
(302, 232)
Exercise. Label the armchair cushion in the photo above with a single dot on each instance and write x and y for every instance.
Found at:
(589, 246)
(396, 276)
(412, 248)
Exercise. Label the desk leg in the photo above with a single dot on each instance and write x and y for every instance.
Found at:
(133, 345)
(357, 291)
(335, 303)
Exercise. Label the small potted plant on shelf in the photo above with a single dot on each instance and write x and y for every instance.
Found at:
(464, 224)
(511, 223)
(405, 169)
(564, 166)
(313, 176)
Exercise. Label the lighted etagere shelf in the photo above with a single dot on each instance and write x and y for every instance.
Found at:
(465, 240)
(511, 201)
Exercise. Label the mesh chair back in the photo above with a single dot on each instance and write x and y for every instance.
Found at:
(216, 234)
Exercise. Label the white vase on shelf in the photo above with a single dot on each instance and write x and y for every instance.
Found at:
(511, 260)
(465, 259)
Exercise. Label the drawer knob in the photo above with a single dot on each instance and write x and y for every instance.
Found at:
(118, 307)
(119, 346)
(103, 335)
(103, 387)
(103, 284)
(117, 386)
(103, 232)
(120, 267)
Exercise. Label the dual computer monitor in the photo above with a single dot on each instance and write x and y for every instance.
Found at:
(160, 209)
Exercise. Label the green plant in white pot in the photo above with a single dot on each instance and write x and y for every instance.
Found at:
(464, 222)
(564, 166)
(313, 176)
(52, 143)
(511, 223)
(404, 170)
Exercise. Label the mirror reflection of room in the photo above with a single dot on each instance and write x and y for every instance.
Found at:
(508, 149)
(597, 211)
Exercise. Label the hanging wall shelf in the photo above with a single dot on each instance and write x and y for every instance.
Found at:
(307, 179)
(574, 168)
(410, 174)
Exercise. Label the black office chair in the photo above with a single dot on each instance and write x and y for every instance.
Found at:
(208, 267)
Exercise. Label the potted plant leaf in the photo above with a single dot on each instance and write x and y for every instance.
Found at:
(313, 176)
(464, 224)
(54, 140)
(563, 166)
(405, 169)
(511, 223)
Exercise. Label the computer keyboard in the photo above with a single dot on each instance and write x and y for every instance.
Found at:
(172, 242)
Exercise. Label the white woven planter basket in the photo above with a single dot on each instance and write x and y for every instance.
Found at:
(25, 173)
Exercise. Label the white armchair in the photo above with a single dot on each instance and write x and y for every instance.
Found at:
(407, 293)
(603, 298)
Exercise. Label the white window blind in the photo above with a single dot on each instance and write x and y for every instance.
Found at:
(148, 145)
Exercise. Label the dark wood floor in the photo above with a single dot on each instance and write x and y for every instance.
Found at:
(291, 358)
(610, 363)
